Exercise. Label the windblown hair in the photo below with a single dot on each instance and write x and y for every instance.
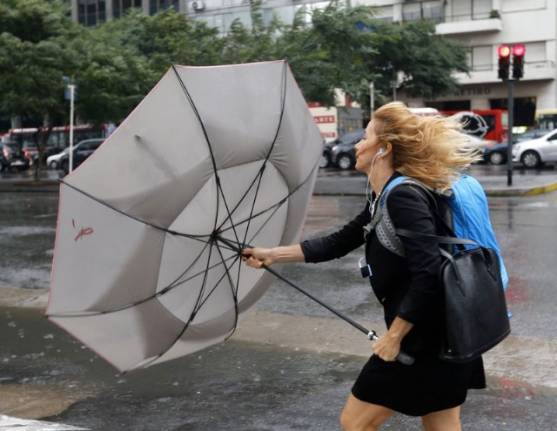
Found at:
(431, 149)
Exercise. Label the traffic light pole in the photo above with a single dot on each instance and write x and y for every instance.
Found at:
(510, 110)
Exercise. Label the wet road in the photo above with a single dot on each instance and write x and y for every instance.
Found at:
(238, 385)
(261, 387)
(27, 230)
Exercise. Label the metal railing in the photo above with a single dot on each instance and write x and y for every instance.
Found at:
(471, 16)
(539, 64)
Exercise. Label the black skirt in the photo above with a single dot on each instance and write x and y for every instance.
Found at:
(427, 386)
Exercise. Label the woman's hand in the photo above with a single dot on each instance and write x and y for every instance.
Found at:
(387, 347)
(257, 257)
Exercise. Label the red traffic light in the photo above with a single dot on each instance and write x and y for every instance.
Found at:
(504, 51)
(519, 50)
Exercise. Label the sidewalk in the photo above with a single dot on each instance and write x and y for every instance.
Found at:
(334, 182)
(492, 178)
(25, 182)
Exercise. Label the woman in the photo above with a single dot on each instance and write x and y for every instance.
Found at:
(433, 151)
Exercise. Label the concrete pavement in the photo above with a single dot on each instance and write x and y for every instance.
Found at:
(493, 179)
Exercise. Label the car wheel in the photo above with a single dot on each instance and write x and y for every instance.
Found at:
(497, 158)
(531, 159)
(345, 162)
(325, 161)
(53, 165)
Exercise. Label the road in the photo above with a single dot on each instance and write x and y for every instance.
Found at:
(291, 364)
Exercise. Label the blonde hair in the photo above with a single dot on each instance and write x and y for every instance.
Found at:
(431, 149)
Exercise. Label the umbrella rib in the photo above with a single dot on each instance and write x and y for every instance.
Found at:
(279, 203)
(232, 288)
(202, 303)
(259, 175)
(195, 309)
(187, 324)
(282, 105)
(154, 226)
(206, 135)
(154, 296)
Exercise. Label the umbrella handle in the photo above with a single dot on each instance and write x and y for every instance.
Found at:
(403, 358)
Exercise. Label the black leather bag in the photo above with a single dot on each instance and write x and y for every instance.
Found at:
(475, 308)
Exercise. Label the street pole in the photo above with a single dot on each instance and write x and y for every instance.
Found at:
(371, 100)
(72, 93)
(510, 110)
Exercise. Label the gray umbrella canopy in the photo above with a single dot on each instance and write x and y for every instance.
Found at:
(146, 264)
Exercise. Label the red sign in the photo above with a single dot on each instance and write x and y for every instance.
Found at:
(320, 119)
(329, 134)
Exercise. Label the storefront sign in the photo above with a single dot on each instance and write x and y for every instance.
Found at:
(473, 91)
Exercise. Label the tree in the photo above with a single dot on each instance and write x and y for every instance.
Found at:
(164, 39)
(112, 79)
(425, 60)
(33, 59)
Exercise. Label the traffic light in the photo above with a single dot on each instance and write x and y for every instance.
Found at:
(518, 60)
(504, 52)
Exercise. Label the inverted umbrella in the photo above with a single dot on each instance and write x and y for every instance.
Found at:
(138, 273)
(147, 261)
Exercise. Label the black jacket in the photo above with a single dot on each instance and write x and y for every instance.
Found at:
(406, 286)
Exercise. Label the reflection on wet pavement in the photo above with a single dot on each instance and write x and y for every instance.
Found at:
(256, 387)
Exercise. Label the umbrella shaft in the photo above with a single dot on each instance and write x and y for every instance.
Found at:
(309, 295)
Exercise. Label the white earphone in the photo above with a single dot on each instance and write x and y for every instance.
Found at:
(381, 151)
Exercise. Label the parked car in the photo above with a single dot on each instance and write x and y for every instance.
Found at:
(54, 161)
(4, 164)
(326, 156)
(496, 154)
(535, 152)
(13, 156)
(343, 154)
(530, 134)
(80, 153)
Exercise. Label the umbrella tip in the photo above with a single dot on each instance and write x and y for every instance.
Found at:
(137, 137)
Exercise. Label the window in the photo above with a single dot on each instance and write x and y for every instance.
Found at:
(91, 12)
(482, 58)
(423, 10)
(383, 13)
(119, 7)
(535, 52)
(465, 10)
(411, 11)
(160, 5)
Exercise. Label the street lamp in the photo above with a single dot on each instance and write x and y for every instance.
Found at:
(71, 96)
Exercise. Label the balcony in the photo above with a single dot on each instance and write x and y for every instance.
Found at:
(485, 74)
(470, 23)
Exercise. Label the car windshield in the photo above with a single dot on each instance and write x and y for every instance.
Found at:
(352, 137)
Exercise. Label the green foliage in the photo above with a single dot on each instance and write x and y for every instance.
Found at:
(34, 57)
(115, 64)
(426, 60)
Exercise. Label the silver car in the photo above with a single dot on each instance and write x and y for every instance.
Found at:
(535, 152)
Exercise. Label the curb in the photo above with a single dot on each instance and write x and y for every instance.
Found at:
(30, 186)
(53, 187)
(532, 191)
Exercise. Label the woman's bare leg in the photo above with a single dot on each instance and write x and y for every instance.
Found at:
(443, 420)
(361, 416)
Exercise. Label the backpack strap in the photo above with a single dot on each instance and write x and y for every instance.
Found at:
(430, 193)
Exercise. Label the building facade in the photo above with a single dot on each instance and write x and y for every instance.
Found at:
(479, 25)
(93, 12)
